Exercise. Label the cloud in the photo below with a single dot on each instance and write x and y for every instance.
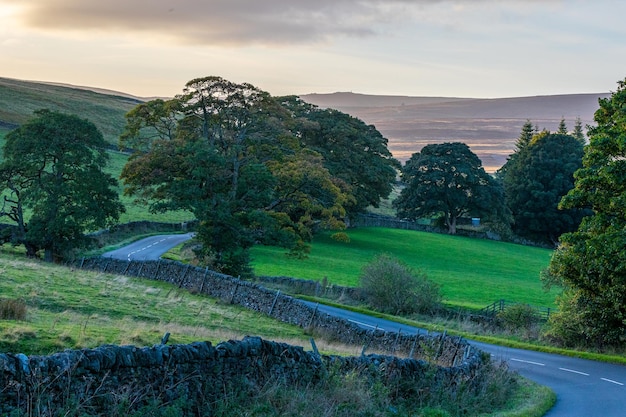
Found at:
(219, 22)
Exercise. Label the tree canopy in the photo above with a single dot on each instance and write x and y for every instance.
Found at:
(54, 186)
(535, 179)
(244, 164)
(590, 263)
(448, 179)
(353, 152)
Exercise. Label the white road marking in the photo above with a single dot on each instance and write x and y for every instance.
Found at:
(573, 371)
(530, 362)
(147, 247)
(611, 381)
(366, 325)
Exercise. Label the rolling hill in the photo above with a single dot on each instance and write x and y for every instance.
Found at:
(19, 99)
(489, 126)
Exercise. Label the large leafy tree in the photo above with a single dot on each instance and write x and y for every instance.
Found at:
(590, 263)
(536, 179)
(234, 163)
(448, 179)
(54, 185)
(353, 152)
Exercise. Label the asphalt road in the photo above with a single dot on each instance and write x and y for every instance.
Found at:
(148, 249)
(584, 388)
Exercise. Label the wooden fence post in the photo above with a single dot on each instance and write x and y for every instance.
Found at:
(274, 303)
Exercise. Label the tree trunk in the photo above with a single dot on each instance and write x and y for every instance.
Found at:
(31, 250)
(452, 225)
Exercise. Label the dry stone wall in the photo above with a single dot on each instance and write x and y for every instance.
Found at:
(447, 351)
(98, 380)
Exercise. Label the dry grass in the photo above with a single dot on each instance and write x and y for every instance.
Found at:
(12, 309)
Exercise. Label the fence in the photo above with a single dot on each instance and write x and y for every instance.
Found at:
(494, 308)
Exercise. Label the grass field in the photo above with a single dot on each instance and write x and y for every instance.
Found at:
(74, 309)
(472, 272)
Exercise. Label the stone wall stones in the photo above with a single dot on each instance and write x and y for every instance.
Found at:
(93, 379)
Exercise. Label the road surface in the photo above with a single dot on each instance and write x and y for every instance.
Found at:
(148, 249)
(584, 388)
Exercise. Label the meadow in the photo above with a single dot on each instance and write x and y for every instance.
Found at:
(68, 308)
(472, 273)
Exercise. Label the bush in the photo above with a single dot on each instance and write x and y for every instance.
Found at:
(518, 317)
(392, 287)
(12, 310)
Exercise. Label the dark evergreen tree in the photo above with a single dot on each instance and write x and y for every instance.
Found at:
(535, 180)
(578, 133)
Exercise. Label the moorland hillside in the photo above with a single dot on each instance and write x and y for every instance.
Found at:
(490, 127)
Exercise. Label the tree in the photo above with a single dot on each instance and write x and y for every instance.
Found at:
(392, 287)
(578, 133)
(535, 180)
(52, 169)
(526, 135)
(370, 170)
(233, 162)
(590, 263)
(448, 179)
(562, 127)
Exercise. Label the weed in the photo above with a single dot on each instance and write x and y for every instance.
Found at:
(12, 309)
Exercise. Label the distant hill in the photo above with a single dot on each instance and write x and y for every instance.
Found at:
(489, 126)
(19, 99)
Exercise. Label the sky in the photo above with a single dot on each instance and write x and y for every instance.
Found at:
(452, 48)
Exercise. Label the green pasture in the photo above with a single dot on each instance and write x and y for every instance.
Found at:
(70, 308)
(472, 272)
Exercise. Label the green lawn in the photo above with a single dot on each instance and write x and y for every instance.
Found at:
(472, 272)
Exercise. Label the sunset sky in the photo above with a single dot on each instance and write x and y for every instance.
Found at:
(463, 48)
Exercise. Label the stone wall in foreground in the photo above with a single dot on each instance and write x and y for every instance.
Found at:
(98, 380)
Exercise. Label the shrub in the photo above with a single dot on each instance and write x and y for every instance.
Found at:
(12, 309)
(391, 286)
(518, 317)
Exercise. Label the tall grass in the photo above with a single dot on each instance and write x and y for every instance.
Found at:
(472, 272)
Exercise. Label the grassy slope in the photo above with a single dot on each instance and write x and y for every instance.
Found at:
(75, 309)
(19, 99)
(472, 272)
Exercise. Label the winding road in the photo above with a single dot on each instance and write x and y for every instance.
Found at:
(584, 388)
(148, 249)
